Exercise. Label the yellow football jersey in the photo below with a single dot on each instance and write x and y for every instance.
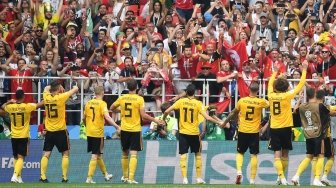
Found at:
(130, 105)
(190, 109)
(94, 117)
(20, 118)
(55, 111)
(280, 103)
(250, 113)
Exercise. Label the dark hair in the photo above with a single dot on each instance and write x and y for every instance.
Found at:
(281, 84)
(165, 106)
(54, 86)
(292, 30)
(310, 93)
(159, 4)
(254, 87)
(320, 94)
(128, 57)
(186, 46)
(132, 85)
(21, 59)
(190, 90)
(19, 94)
(158, 42)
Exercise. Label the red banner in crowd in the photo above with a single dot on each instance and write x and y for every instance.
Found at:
(222, 106)
(236, 54)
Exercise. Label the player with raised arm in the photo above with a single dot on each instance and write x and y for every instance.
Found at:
(282, 119)
(19, 113)
(95, 114)
(132, 109)
(55, 125)
(249, 110)
(189, 134)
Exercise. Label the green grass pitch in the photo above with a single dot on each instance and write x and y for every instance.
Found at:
(80, 185)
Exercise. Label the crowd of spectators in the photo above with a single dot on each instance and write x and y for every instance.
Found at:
(168, 39)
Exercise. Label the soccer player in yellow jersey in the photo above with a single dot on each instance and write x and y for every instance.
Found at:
(282, 119)
(19, 113)
(95, 114)
(55, 125)
(249, 110)
(189, 134)
(132, 109)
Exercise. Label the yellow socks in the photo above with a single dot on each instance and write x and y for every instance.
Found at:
(92, 167)
(303, 165)
(65, 166)
(124, 165)
(101, 165)
(44, 166)
(18, 167)
(183, 165)
(279, 168)
(254, 166)
(132, 166)
(239, 162)
(198, 165)
(329, 164)
(314, 165)
(284, 162)
(319, 167)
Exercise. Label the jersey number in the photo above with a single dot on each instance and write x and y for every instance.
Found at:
(276, 108)
(14, 118)
(191, 114)
(249, 111)
(52, 110)
(93, 113)
(128, 109)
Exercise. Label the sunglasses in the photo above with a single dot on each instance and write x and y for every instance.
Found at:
(324, 52)
(206, 68)
(39, 30)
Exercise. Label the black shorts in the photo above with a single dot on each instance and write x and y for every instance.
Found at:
(280, 139)
(192, 141)
(60, 139)
(314, 146)
(248, 140)
(329, 149)
(95, 145)
(20, 146)
(131, 141)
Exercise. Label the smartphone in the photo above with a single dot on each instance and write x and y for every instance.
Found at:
(153, 49)
(234, 18)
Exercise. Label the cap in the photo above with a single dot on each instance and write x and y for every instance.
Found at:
(263, 14)
(144, 62)
(71, 24)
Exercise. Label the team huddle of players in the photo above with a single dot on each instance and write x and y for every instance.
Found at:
(315, 118)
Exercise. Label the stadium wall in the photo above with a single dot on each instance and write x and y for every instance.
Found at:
(157, 163)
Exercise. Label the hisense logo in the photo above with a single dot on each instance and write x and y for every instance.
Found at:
(8, 162)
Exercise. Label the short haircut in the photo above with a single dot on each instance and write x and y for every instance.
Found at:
(132, 85)
(254, 87)
(99, 90)
(54, 86)
(19, 94)
(190, 90)
(320, 94)
(281, 84)
(310, 93)
(165, 106)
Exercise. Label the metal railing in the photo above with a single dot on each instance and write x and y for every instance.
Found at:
(205, 96)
